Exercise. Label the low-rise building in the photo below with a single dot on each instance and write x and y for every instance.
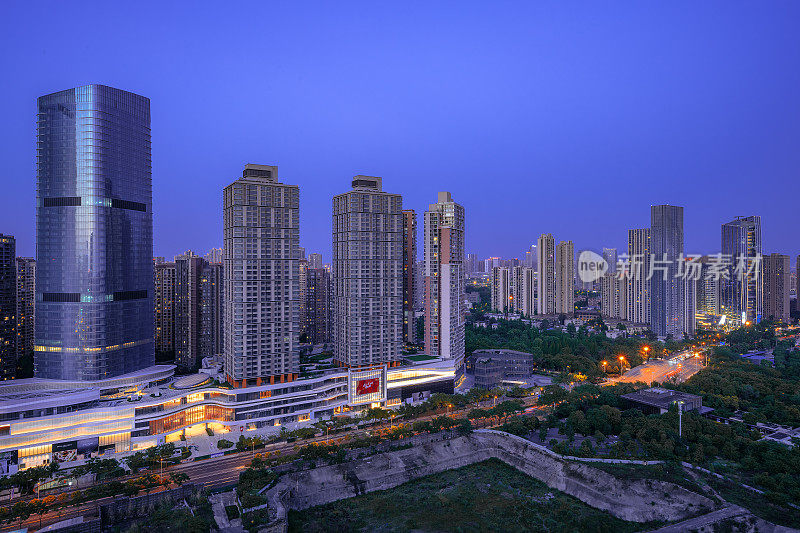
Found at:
(657, 400)
(492, 367)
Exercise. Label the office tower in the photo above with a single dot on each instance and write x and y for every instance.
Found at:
(614, 296)
(368, 274)
(776, 287)
(188, 272)
(319, 305)
(315, 260)
(524, 290)
(211, 310)
(565, 278)
(502, 297)
(260, 268)
(94, 235)
(8, 306)
(409, 263)
(444, 281)
(490, 263)
(742, 298)
(610, 256)
(26, 304)
(667, 291)
(214, 255)
(546, 275)
(302, 292)
(164, 298)
(637, 272)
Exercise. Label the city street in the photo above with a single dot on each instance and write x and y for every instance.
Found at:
(220, 472)
(678, 368)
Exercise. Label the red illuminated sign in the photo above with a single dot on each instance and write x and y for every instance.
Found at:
(367, 386)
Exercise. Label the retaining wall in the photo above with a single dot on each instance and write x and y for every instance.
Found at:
(632, 500)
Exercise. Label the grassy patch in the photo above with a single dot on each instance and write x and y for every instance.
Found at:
(487, 496)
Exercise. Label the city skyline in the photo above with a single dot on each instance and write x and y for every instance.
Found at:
(666, 144)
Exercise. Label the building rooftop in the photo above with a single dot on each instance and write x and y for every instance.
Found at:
(660, 397)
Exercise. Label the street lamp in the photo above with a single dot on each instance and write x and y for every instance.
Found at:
(621, 363)
(604, 363)
(680, 418)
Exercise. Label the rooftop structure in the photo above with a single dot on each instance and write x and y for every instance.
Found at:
(658, 400)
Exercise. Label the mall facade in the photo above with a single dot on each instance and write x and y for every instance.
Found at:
(43, 420)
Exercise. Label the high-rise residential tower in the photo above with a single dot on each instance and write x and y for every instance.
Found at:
(797, 283)
(667, 291)
(565, 278)
(214, 255)
(8, 306)
(610, 256)
(315, 260)
(368, 275)
(742, 288)
(419, 289)
(319, 306)
(614, 296)
(524, 290)
(94, 235)
(546, 276)
(212, 337)
(188, 323)
(409, 264)
(302, 293)
(472, 264)
(531, 257)
(260, 268)
(708, 290)
(26, 304)
(165, 305)
(776, 287)
(637, 272)
(502, 294)
(444, 280)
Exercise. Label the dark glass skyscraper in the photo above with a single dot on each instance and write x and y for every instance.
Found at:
(667, 292)
(94, 235)
(742, 298)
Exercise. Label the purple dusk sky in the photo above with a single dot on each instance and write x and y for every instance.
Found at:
(564, 117)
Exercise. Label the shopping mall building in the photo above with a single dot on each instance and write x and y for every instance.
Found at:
(43, 420)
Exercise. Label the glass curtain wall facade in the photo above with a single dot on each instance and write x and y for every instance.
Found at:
(742, 292)
(667, 291)
(94, 235)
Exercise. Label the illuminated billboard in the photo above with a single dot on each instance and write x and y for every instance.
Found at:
(367, 386)
(64, 452)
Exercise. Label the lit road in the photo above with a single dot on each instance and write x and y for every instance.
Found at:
(675, 369)
(224, 471)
